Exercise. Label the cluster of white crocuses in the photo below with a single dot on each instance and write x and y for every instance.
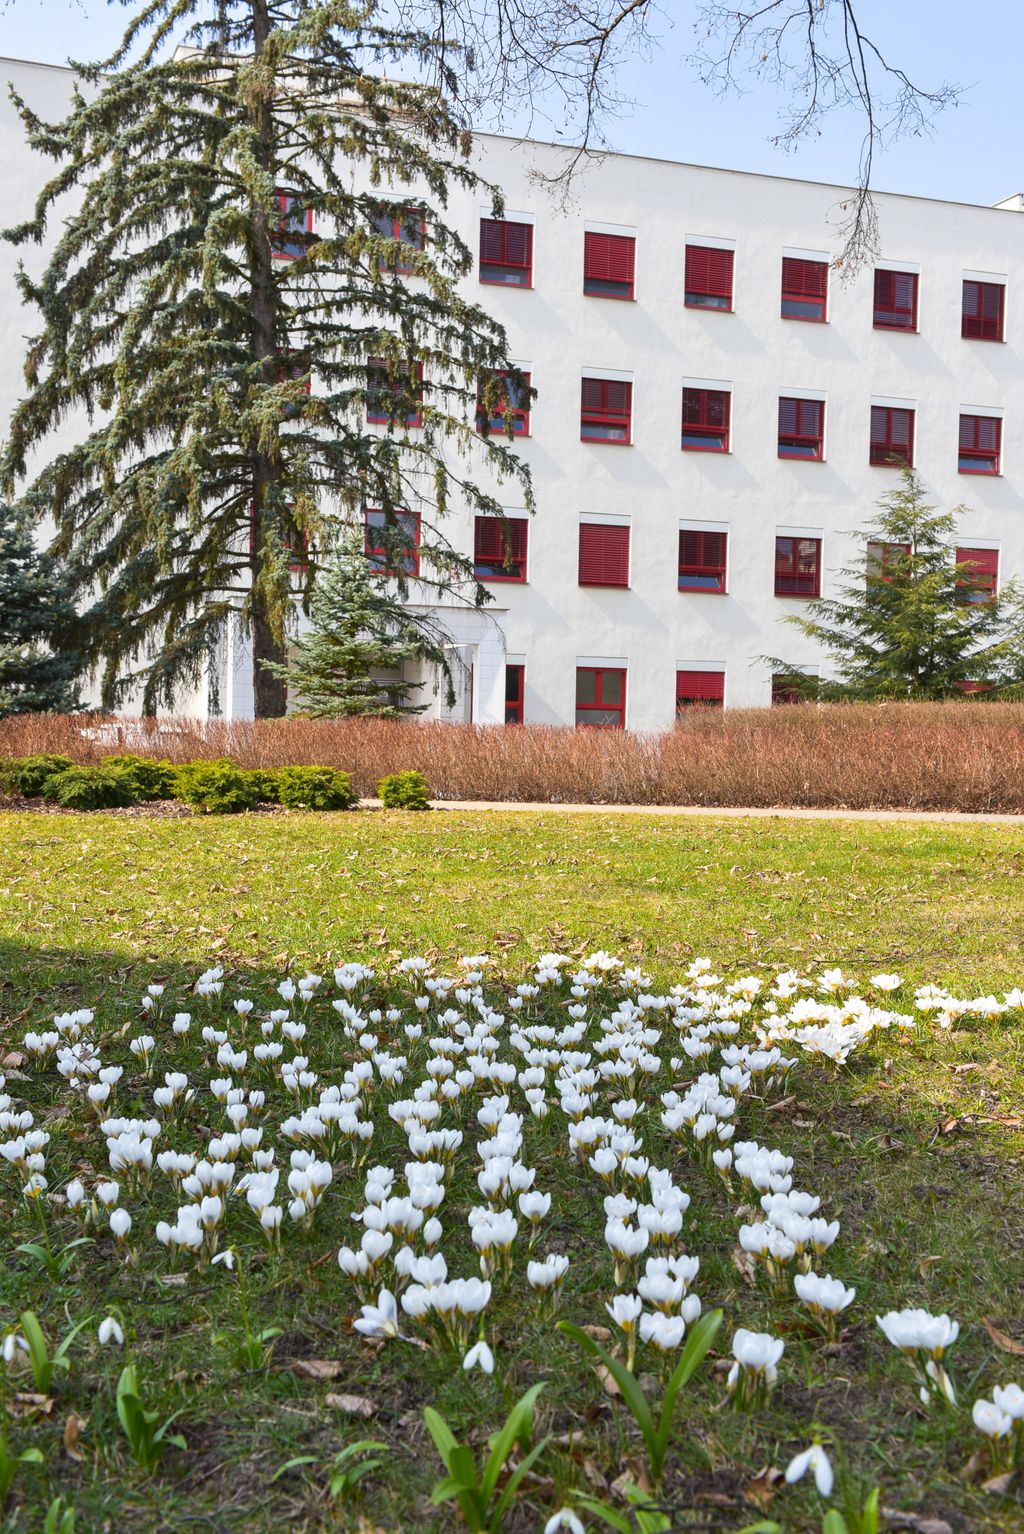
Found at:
(288, 1099)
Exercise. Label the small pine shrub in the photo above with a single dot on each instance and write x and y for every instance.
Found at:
(314, 788)
(264, 784)
(404, 791)
(149, 779)
(215, 788)
(90, 788)
(28, 775)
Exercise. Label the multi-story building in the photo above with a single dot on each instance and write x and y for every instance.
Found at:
(717, 411)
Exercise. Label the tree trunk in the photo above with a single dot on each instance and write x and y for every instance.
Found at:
(269, 692)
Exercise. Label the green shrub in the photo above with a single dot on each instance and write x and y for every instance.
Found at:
(264, 784)
(403, 791)
(28, 774)
(90, 788)
(149, 779)
(314, 788)
(215, 788)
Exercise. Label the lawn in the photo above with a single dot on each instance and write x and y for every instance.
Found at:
(915, 1146)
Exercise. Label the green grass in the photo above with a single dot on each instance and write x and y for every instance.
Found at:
(92, 908)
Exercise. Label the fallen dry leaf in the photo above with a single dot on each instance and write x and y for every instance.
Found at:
(12, 1060)
(999, 1484)
(761, 1490)
(744, 1264)
(925, 1264)
(976, 1466)
(316, 1368)
(353, 1406)
(914, 1521)
(1002, 1341)
(71, 1433)
(27, 1403)
(781, 1106)
(599, 1333)
(607, 1379)
(173, 1280)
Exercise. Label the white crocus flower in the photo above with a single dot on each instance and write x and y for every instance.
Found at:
(988, 1419)
(120, 1223)
(814, 1459)
(1010, 1399)
(380, 1320)
(479, 1357)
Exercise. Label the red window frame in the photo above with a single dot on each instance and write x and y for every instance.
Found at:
(408, 225)
(499, 548)
(515, 693)
(377, 552)
(606, 411)
(895, 302)
(786, 692)
(382, 380)
(801, 428)
(291, 374)
(706, 420)
(892, 435)
(609, 265)
(804, 289)
(604, 554)
(519, 404)
(709, 278)
(700, 689)
(982, 583)
(288, 241)
(702, 557)
(797, 567)
(506, 253)
(880, 556)
(983, 310)
(980, 444)
(610, 680)
(296, 566)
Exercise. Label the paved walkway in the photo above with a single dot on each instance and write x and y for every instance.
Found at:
(718, 812)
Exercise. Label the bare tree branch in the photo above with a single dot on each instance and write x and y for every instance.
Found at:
(817, 52)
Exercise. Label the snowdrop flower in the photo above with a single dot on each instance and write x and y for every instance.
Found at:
(814, 1459)
(479, 1357)
(565, 1518)
(227, 1257)
(380, 1320)
(110, 1331)
(988, 1419)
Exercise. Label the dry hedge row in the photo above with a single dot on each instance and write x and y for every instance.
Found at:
(943, 756)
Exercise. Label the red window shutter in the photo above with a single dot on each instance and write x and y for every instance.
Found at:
(700, 687)
(983, 575)
(499, 548)
(983, 305)
(504, 244)
(702, 561)
(604, 555)
(709, 271)
(892, 435)
(804, 279)
(488, 542)
(895, 300)
(609, 257)
(606, 409)
(801, 427)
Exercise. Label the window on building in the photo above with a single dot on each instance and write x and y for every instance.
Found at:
(298, 376)
(604, 554)
(804, 289)
(801, 428)
(290, 239)
(701, 561)
(295, 540)
(892, 435)
(394, 396)
(978, 580)
(885, 559)
(984, 305)
(706, 420)
(700, 689)
(981, 439)
(393, 541)
(601, 697)
(798, 567)
(609, 262)
(406, 225)
(515, 693)
(499, 548)
(506, 253)
(503, 401)
(895, 300)
(708, 278)
(606, 410)
(785, 689)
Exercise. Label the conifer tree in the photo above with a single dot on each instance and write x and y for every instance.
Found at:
(249, 214)
(911, 622)
(37, 618)
(356, 631)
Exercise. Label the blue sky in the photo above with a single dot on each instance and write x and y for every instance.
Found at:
(973, 154)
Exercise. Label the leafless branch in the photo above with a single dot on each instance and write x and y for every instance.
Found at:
(817, 52)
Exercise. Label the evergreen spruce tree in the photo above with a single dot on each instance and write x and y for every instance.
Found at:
(249, 215)
(356, 632)
(911, 622)
(37, 617)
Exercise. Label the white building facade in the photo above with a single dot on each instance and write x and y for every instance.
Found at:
(716, 411)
